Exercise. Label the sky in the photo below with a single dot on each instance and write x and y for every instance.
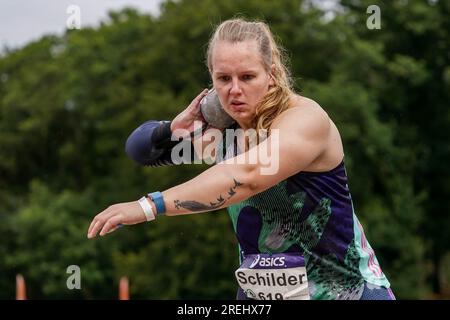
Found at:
(22, 21)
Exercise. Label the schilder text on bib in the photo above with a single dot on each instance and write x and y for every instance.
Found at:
(280, 276)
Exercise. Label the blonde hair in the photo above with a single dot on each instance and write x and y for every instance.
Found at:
(277, 98)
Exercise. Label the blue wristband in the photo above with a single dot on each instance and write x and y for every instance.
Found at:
(158, 200)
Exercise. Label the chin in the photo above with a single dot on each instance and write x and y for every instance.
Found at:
(242, 119)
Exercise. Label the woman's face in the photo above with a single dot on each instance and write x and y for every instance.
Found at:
(239, 78)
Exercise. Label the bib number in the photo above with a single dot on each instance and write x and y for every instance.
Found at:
(280, 276)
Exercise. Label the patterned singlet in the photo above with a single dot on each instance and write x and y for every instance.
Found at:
(311, 213)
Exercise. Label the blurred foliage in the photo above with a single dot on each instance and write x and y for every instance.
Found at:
(68, 103)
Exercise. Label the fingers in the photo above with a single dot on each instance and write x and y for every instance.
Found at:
(96, 227)
(100, 220)
(195, 106)
(97, 219)
(115, 228)
(114, 217)
(111, 225)
(197, 99)
(93, 224)
(202, 94)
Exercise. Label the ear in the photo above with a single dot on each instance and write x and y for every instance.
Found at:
(271, 76)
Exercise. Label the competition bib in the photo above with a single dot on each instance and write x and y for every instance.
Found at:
(280, 276)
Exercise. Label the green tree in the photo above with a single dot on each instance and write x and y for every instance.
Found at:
(414, 93)
(68, 103)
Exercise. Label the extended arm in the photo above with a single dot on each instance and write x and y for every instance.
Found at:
(291, 147)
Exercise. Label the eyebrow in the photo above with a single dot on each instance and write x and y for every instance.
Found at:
(245, 71)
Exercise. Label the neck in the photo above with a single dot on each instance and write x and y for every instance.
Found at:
(244, 125)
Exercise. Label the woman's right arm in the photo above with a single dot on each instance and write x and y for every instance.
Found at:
(151, 144)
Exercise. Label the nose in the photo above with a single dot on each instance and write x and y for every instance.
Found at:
(235, 87)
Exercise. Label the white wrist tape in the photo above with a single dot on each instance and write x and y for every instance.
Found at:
(148, 211)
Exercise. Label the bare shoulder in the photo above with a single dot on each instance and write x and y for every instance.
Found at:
(306, 115)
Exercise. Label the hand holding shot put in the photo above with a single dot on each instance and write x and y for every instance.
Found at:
(188, 117)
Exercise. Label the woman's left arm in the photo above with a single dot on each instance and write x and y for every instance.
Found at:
(290, 148)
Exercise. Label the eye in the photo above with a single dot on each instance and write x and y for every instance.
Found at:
(247, 77)
(224, 78)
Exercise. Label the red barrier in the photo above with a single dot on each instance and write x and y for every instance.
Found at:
(124, 293)
(21, 292)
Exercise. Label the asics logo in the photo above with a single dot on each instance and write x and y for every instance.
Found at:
(267, 262)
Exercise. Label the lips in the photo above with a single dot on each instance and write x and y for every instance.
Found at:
(237, 103)
(237, 108)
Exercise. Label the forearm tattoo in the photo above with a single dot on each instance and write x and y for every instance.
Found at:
(193, 205)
